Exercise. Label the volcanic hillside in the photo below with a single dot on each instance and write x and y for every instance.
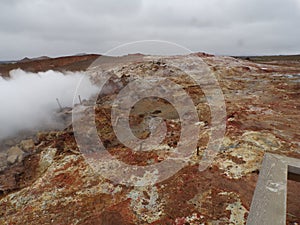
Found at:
(46, 179)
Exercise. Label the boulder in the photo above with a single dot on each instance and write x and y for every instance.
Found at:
(27, 145)
(14, 154)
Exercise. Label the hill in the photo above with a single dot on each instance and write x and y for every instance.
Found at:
(67, 63)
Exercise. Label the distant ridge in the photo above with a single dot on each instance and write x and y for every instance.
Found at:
(44, 63)
(271, 57)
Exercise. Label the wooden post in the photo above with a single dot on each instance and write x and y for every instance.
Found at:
(141, 146)
(79, 99)
(59, 105)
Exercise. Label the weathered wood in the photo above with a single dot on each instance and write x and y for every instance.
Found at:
(269, 201)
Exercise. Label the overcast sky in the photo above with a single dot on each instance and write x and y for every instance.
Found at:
(34, 28)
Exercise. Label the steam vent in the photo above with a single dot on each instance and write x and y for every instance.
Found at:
(48, 176)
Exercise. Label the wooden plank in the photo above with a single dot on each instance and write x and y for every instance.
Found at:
(269, 202)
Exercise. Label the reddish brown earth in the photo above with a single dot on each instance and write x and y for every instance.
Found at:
(53, 184)
(68, 63)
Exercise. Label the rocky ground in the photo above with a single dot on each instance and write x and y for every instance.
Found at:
(45, 179)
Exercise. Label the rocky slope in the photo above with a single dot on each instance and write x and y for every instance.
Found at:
(46, 180)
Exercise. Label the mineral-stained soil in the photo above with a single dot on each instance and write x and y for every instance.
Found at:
(48, 181)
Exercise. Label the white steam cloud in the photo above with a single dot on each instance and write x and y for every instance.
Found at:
(28, 100)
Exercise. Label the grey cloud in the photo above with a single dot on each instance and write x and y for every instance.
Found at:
(39, 27)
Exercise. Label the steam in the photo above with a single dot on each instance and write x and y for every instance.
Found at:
(28, 100)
